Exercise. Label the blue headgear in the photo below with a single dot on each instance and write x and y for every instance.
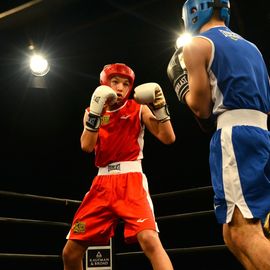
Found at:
(196, 13)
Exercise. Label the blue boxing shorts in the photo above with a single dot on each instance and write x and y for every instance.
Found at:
(240, 166)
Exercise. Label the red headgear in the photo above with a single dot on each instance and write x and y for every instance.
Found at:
(114, 70)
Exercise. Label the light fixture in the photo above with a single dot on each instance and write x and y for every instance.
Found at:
(183, 39)
(39, 65)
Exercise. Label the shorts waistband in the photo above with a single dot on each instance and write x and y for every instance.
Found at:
(240, 117)
(121, 167)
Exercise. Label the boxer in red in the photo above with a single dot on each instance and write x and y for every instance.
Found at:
(114, 128)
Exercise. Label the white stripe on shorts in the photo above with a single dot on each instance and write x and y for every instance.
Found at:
(231, 181)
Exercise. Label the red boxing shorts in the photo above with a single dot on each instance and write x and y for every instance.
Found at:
(118, 192)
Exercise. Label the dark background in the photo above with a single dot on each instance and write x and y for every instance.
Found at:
(41, 128)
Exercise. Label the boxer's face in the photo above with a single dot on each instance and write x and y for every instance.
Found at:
(121, 86)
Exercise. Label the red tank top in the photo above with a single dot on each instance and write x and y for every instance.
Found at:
(120, 135)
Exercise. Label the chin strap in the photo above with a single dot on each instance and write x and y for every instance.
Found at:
(266, 226)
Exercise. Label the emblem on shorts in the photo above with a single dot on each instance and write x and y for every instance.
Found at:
(79, 227)
(141, 220)
(105, 119)
(114, 167)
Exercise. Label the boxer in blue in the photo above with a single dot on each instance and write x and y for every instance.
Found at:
(223, 79)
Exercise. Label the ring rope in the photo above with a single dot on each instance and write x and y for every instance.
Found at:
(181, 192)
(32, 221)
(179, 250)
(37, 197)
(29, 256)
(186, 215)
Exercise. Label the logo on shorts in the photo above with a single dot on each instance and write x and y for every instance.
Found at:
(79, 227)
(141, 220)
(114, 167)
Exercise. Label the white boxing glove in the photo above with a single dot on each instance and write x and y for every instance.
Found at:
(152, 95)
(101, 96)
(144, 94)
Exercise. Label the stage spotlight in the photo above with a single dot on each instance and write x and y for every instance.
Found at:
(183, 40)
(39, 65)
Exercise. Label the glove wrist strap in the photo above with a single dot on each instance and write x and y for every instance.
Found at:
(162, 114)
(181, 87)
(93, 122)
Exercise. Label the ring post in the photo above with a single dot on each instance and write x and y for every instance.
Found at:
(99, 257)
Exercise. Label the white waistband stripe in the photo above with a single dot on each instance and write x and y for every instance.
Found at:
(121, 167)
(242, 117)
